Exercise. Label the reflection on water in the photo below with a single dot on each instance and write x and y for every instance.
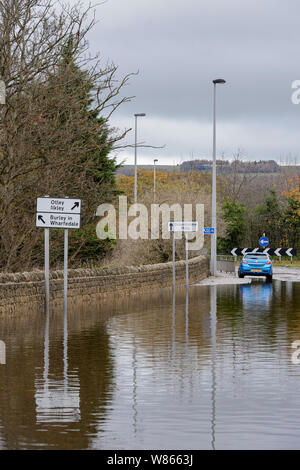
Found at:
(257, 296)
(209, 367)
(187, 315)
(213, 316)
(57, 400)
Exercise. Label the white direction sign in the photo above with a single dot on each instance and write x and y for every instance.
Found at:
(182, 226)
(52, 212)
(48, 220)
(58, 205)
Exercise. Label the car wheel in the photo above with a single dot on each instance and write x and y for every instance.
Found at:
(269, 278)
(241, 275)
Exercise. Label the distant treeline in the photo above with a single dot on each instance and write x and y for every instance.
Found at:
(236, 166)
(223, 166)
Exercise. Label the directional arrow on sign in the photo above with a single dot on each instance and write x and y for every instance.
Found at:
(58, 205)
(264, 241)
(40, 217)
(270, 251)
(75, 205)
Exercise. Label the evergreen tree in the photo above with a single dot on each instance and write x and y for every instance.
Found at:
(234, 216)
(291, 221)
(269, 218)
(93, 171)
(95, 137)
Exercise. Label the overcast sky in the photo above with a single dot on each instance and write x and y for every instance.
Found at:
(179, 47)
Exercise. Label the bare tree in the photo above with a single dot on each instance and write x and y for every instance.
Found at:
(47, 136)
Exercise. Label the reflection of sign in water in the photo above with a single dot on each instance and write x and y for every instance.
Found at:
(58, 401)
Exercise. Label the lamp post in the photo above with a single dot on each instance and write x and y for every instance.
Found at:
(154, 178)
(213, 259)
(135, 155)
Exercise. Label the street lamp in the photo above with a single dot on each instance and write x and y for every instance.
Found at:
(213, 258)
(135, 155)
(154, 176)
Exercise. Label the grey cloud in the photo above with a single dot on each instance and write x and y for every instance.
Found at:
(179, 46)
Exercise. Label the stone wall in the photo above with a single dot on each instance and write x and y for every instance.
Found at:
(20, 288)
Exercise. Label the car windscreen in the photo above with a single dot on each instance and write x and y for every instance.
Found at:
(256, 256)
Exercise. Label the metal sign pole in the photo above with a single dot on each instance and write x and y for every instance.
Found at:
(173, 259)
(55, 212)
(47, 270)
(186, 261)
(66, 270)
(182, 226)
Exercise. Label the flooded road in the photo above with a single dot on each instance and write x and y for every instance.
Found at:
(209, 371)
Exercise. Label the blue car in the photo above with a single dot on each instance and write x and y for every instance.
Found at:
(256, 264)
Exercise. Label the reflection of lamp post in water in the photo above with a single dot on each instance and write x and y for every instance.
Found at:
(134, 383)
(213, 330)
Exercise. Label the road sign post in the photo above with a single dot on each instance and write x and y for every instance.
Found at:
(47, 270)
(66, 247)
(186, 261)
(57, 213)
(173, 263)
(185, 227)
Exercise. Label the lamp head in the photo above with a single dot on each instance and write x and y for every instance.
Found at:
(219, 80)
(140, 115)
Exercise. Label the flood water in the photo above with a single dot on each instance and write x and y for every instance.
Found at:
(209, 371)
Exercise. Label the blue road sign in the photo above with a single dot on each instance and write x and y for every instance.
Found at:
(264, 241)
(208, 230)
